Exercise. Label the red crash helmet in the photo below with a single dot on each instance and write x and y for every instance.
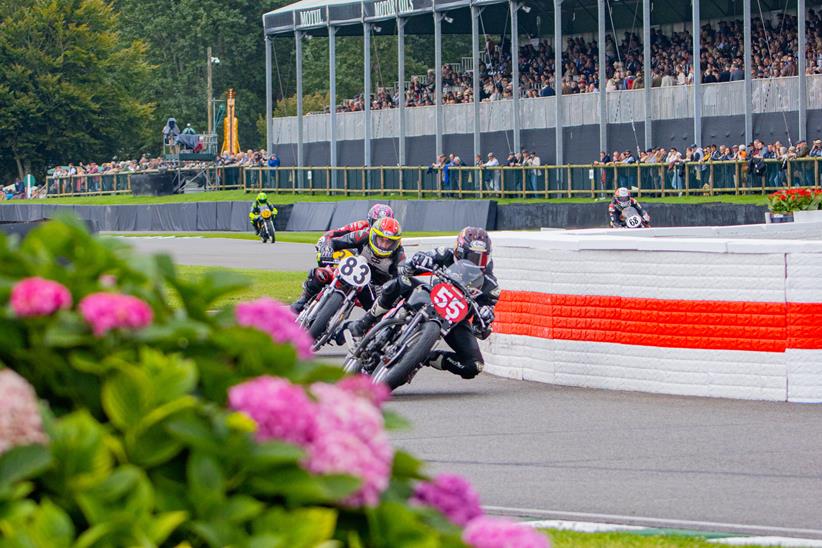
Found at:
(385, 236)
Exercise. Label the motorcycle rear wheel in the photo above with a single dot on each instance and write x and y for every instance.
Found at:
(330, 307)
(418, 349)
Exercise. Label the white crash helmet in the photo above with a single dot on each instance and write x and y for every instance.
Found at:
(623, 196)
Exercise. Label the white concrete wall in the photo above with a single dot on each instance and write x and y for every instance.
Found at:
(754, 265)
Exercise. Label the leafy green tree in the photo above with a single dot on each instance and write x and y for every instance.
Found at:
(67, 81)
(178, 34)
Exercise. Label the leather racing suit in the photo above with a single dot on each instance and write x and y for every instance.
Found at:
(466, 359)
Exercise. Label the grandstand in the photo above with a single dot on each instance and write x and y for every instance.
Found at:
(758, 98)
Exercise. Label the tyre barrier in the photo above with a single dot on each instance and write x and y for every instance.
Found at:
(694, 313)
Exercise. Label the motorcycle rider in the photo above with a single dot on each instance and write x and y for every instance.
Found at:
(473, 244)
(623, 199)
(380, 245)
(377, 211)
(254, 216)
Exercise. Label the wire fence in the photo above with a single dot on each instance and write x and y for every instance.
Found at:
(102, 184)
(568, 181)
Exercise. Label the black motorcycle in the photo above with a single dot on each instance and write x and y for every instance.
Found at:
(396, 347)
(329, 308)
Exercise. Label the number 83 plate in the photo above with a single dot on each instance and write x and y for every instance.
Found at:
(355, 271)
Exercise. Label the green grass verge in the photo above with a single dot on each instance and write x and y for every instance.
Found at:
(290, 237)
(282, 286)
(239, 195)
(638, 539)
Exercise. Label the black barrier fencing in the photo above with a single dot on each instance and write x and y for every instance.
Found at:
(415, 215)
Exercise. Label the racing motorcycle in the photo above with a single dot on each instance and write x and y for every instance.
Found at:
(329, 308)
(630, 218)
(395, 348)
(267, 231)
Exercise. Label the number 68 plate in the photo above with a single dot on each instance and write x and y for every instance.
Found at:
(355, 271)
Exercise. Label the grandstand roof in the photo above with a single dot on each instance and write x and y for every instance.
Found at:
(578, 16)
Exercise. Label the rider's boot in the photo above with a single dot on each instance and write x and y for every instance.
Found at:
(361, 326)
(310, 288)
(447, 361)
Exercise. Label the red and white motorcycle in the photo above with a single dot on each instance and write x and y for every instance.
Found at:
(402, 341)
(329, 308)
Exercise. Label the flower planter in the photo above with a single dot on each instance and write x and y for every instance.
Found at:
(808, 216)
(771, 217)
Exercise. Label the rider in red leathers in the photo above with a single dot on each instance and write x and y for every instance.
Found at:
(378, 211)
(623, 199)
(318, 277)
(380, 245)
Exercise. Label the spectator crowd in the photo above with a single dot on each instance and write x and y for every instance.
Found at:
(774, 45)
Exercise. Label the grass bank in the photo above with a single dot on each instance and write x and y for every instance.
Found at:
(239, 195)
(282, 286)
(635, 539)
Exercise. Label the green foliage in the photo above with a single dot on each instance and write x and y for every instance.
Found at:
(178, 35)
(67, 83)
(142, 451)
(314, 103)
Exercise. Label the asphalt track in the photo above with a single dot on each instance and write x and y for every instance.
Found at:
(541, 451)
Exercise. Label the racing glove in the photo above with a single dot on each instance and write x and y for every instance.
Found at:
(486, 313)
(421, 260)
(327, 254)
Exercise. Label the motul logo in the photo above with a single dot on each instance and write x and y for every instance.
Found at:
(311, 17)
(387, 8)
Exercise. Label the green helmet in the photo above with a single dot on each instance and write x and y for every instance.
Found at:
(261, 197)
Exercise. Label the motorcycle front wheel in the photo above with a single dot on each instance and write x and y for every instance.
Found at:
(323, 316)
(418, 348)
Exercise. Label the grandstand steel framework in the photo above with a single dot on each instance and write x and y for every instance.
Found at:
(355, 17)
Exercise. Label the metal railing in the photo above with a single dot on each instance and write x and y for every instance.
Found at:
(567, 181)
(102, 184)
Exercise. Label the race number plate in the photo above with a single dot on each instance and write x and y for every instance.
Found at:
(354, 271)
(449, 302)
(634, 221)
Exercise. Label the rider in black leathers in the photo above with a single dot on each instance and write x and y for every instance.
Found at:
(466, 360)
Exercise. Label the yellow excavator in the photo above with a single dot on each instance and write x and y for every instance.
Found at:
(231, 139)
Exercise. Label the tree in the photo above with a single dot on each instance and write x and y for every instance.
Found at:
(178, 34)
(67, 81)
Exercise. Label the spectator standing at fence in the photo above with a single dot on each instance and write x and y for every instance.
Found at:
(274, 160)
(676, 167)
(533, 180)
(816, 151)
(493, 173)
(604, 172)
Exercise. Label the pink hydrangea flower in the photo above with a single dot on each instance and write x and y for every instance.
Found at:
(342, 452)
(491, 532)
(281, 410)
(39, 297)
(107, 311)
(452, 495)
(108, 280)
(351, 439)
(20, 421)
(362, 386)
(277, 320)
